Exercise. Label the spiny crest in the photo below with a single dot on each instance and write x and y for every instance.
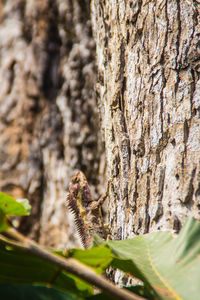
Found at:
(78, 199)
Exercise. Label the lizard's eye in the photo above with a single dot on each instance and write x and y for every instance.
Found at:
(76, 180)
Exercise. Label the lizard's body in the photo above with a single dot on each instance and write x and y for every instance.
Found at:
(87, 212)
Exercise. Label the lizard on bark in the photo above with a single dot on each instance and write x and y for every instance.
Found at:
(86, 211)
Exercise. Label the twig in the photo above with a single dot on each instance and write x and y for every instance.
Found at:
(70, 265)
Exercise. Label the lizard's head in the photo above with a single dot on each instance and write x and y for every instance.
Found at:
(80, 189)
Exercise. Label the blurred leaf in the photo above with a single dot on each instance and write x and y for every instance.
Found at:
(31, 292)
(26, 205)
(97, 241)
(143, 291)
(12, 207)
(97, 258)
(9, 206)
(137, 290)
(20, 267)
(170, 265)
(3, 222)
(100, 296)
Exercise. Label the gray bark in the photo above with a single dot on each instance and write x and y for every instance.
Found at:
(148, 57)
(49, 125)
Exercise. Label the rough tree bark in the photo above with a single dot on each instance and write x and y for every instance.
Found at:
(148, 89)
(148, 57)
(48, 114)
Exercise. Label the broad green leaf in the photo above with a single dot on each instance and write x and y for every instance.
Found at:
(12, 207)
(26, 205)
(32, 292)
(9, 206)
(171, 265)
(97, 258)
(20, 267)
(3, 222)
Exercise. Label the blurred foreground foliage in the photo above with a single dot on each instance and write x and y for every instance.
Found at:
(167, 265)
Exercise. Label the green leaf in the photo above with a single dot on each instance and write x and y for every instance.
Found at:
(97, 258)
(3, 222)
(97, 241)
(31, 292)
(137, 290)
(26, 205)
(9, 206)
(101, 296)
(12, 207)
(143, 291)
(17, 266)
(170, 265)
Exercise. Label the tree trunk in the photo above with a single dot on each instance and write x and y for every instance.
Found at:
(148, 57)
(48, 113)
